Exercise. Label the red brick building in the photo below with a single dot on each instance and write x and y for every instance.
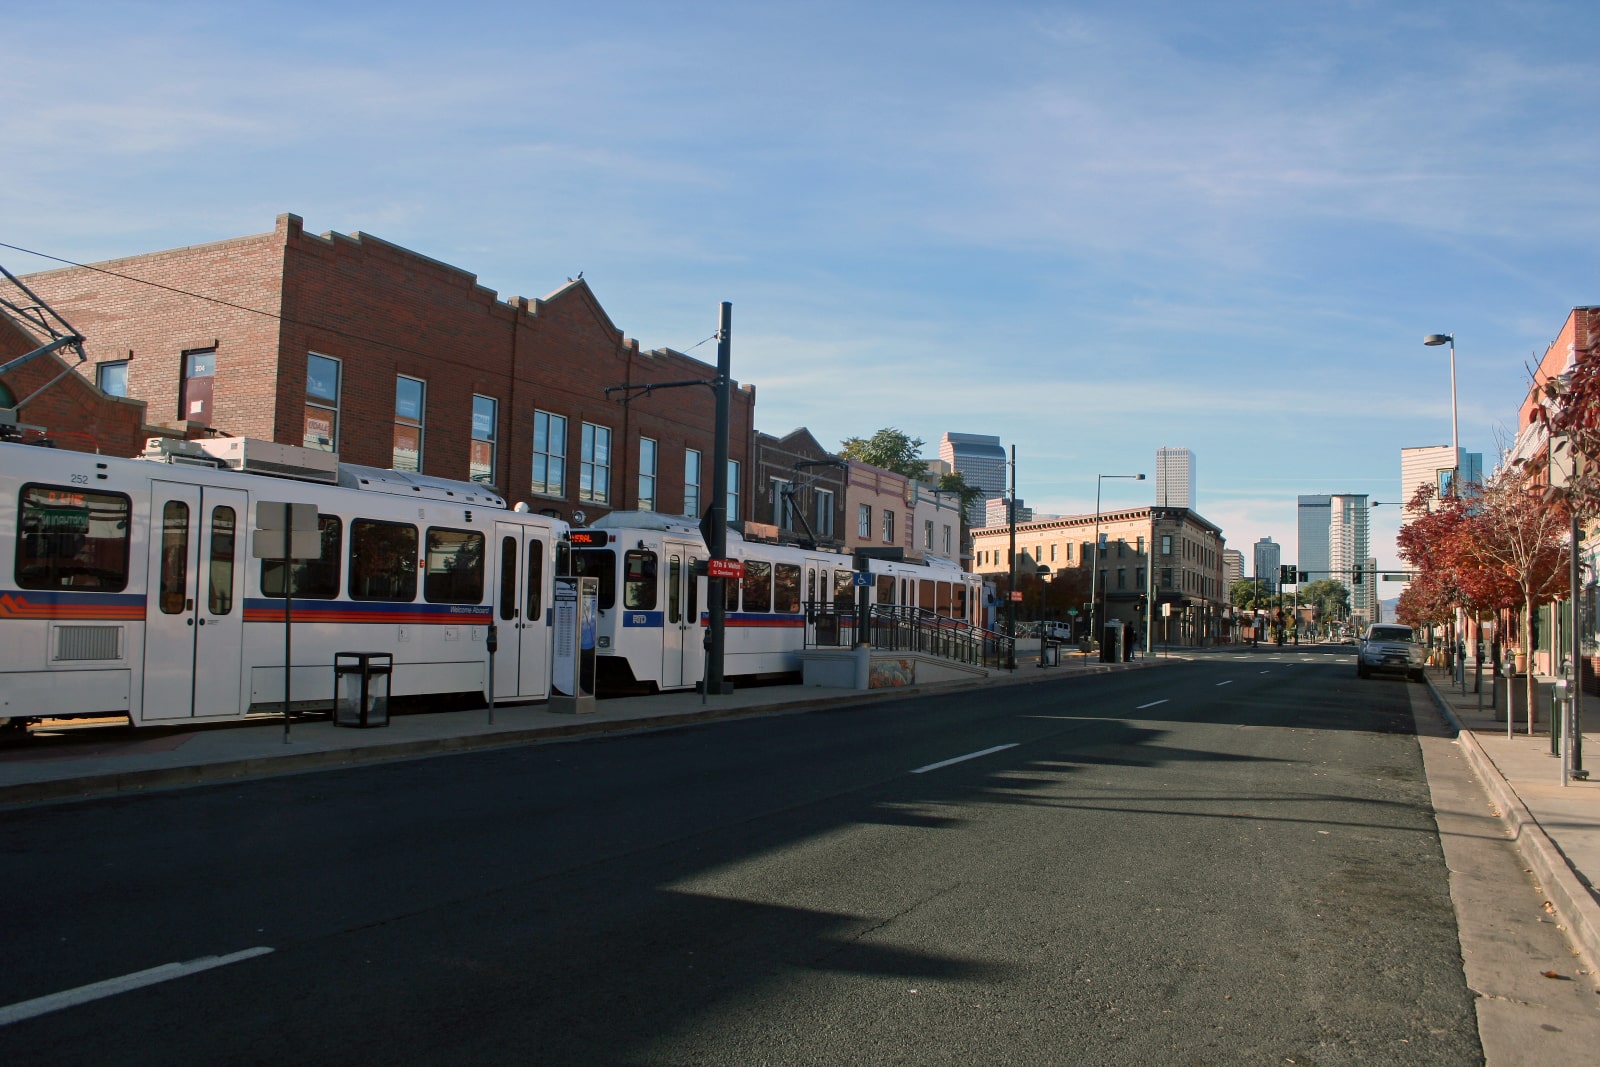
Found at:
(392, 359)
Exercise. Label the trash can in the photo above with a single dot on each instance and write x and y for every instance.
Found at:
(361, 688)
(1049, 653)
(1111, 642)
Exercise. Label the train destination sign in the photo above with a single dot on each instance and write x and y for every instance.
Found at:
(725, 568)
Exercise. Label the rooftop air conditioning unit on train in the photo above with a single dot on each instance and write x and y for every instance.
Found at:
(254, 456)
(177, 450)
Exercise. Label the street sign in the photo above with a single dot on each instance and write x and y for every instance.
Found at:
(725, 568)
(1072, 612)
(1016, 594)
(1397, 577)
(1166, 610)
(861, 579)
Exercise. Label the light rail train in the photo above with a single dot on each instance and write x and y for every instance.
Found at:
(128, 586)
(652, 606)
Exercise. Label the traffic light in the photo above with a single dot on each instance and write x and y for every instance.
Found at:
(1286, 574)
(1355, 576)
(1305, 576)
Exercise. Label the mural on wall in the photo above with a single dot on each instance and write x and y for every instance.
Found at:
(890, 673)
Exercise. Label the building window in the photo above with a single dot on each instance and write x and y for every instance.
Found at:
(888, 527)
(824, 522)
(1166, 544)
(199, 372)
(647, 474)
(594, 464)
(1122, 547)
(322, 403)
(927, 534)
(733, 490)
(485, 421)
(1138, 578)
(1122, 577)
(111, 377)
(864, 521)
(410, 401)
(1141, 546)
(1166, 577)
(549, 454)
(946, 540)
(691, 482)
(782, 506)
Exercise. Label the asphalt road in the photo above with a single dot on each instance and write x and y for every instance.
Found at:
(1232, 861)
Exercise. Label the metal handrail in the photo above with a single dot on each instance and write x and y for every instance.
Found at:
(897, 628)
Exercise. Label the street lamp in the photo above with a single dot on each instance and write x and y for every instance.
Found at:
(1094, 571)
(1435, 339)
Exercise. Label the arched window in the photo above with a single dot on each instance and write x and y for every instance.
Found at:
(7, 398)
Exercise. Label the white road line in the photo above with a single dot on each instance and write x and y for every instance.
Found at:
(963, 759)
(1266, 672)
(27, 1009)
(1228, 682)
(1152, 704)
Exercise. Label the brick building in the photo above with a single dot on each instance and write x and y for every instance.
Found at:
(392, 359)
(1186, 550)
(818, 480)
(69, 410)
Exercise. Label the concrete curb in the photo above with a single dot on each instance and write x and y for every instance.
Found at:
(142, 781)
(1574, 904)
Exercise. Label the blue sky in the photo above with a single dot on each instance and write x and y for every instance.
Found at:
(1089, 228)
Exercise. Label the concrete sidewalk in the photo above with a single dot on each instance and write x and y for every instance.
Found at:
(71, 762)
(1556, 827)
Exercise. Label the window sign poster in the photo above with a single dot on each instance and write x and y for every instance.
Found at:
(588, 600)
(574, 617)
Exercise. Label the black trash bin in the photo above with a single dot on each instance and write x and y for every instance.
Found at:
(361, 688)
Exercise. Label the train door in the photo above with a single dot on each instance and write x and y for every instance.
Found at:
(194, 623)
(681, 654)
(522, 662)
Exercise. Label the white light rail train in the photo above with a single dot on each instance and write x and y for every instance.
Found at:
(650, 627)
(128, 586)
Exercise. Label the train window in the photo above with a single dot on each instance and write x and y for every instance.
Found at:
(314, 579)
(383, 560)
(598, 563)
(786, 586)
(811, 585)
(639, 584)
(925, 594)
(173, 585)
(944, 602)
(730, 595)
(674, 588)
(454, 572)
(694, 591)
(535, 612)
(844, 593)
(961, 601)
(70, 539)
(885, 590)
(508, 577)
(219, 594)
(757, 585)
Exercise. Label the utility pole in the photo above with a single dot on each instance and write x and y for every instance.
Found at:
(717, 513)
(1011, 591)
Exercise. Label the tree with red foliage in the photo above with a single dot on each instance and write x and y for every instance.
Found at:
(1518, 537)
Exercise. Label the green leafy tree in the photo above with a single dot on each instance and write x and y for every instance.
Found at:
(1248, 594)
(889, 449)
(1330, 598)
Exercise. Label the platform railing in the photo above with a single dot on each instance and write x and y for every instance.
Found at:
(897, 628)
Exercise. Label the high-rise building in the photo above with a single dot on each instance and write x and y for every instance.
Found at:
(1174, 478)
(1431, 466)
(1315, 519)
(981, 462)
(1232, 566)
(994, 512)
(1348, 551)
(1269, 556)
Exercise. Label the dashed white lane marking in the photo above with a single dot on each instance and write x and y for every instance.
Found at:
(963, 759)
(1152, 704)
(1228, 682)
(27, 1009)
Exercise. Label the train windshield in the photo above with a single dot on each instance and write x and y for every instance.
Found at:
(598, 563)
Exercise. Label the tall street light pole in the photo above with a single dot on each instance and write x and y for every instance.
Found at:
(1095, 622)
(1434, 339)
